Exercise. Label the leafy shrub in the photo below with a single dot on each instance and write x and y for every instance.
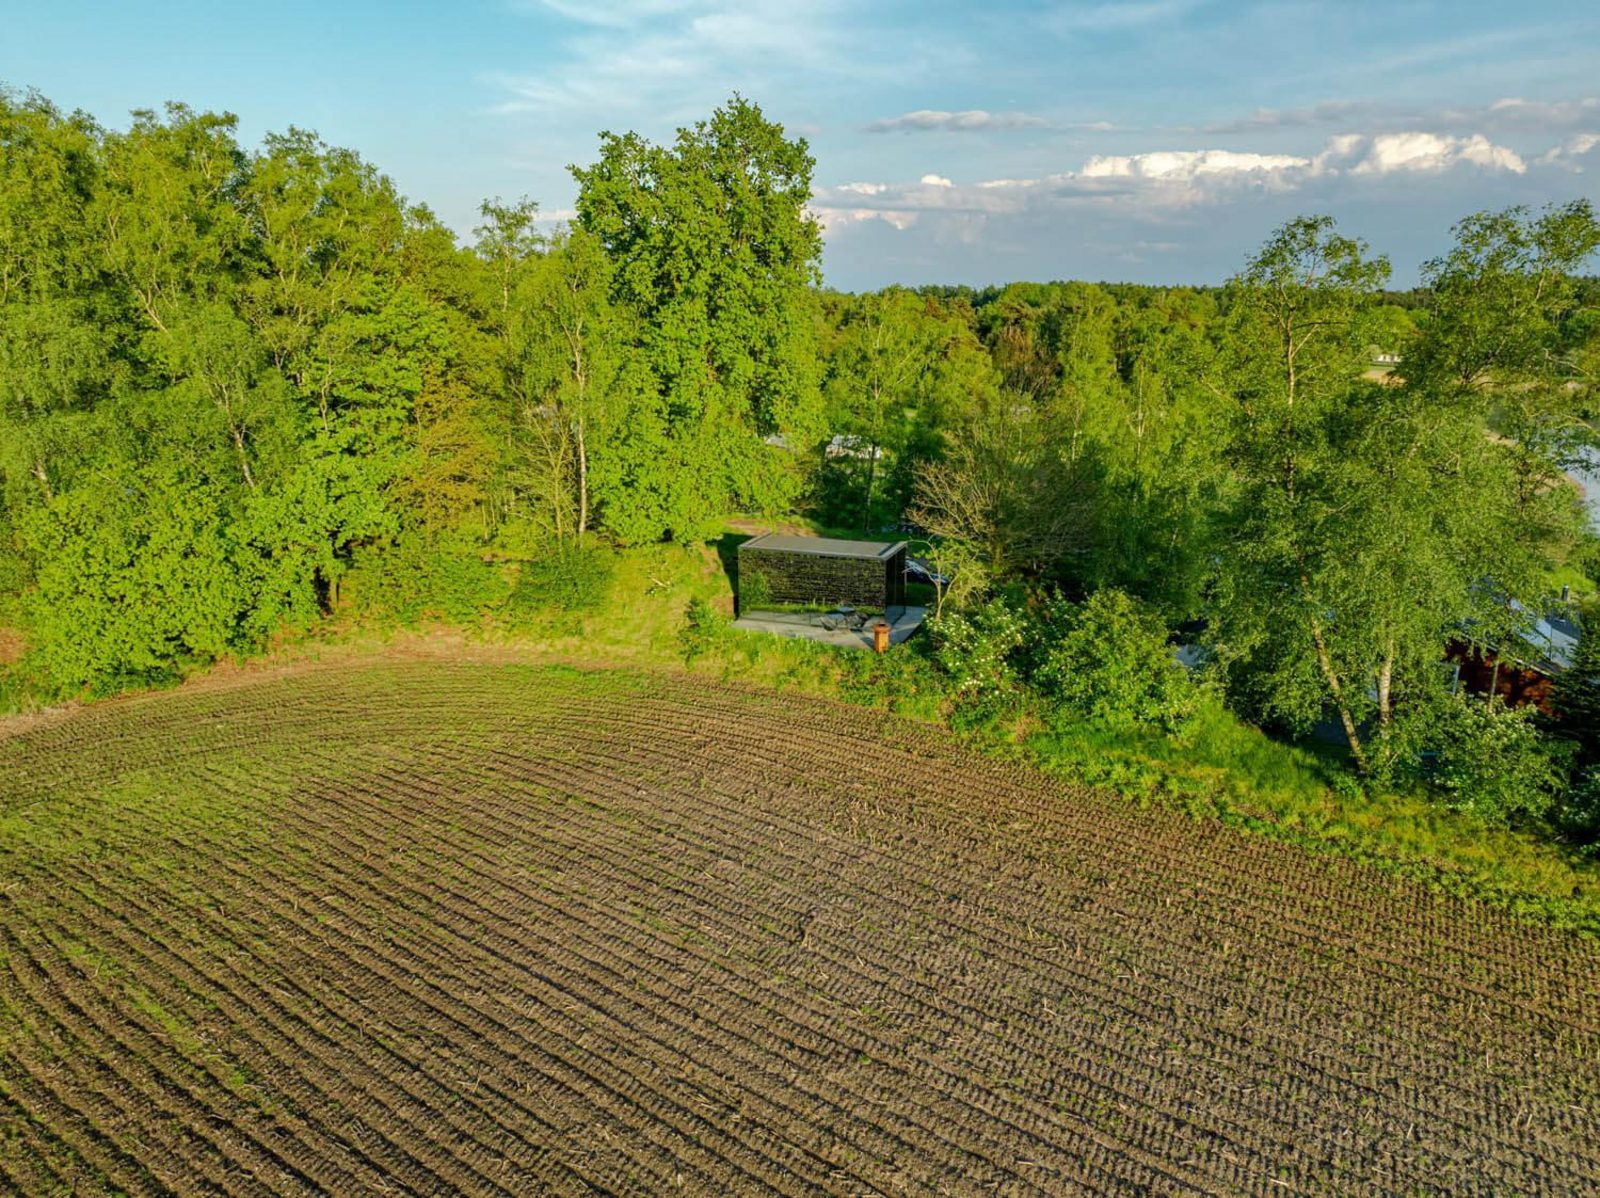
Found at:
(1108, 661)
(900, 681)
(703, 628)
(141, 574)
(1484, 759)
(977, 649)
(1578, 812)
(1347, 786)
(754, 589)
(129, 592)
(14, 573)
(567, 578)
(418, 577)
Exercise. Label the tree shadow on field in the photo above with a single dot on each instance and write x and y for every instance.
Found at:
(727, 547)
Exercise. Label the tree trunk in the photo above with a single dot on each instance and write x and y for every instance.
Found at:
(1325, 661)
(1385, 683)
(872, 460)
(866, 504)
(40, 473)
(583, 482)
(580, 376)
(244, 458)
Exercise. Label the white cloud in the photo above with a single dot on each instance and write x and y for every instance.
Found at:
(1288, 118)
(673, 58)
(1166, 180)
(1434, 152)
(973, 120)
(1508, 113)
(833, 218)
(1515, 112)
(899, 205)
(1340, 150)
(1187, 165)
(1574, 147)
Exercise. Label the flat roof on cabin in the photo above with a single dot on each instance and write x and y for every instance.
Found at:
(824, 546)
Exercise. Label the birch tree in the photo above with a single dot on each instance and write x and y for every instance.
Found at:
(1295, 351)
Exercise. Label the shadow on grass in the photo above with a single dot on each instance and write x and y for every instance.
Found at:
(727, 547)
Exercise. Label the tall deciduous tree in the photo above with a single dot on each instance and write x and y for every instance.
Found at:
(579, 378)
(57, 337)
(223, 371)
(1505, 347)
(712, 248)
(1375, 521)
(1005, 491)
(901, 371)
(1155, 446)
(1296, 350)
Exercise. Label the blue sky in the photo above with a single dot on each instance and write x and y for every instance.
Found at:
(1146, 140)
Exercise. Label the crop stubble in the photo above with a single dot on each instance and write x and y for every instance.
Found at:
(490, 930)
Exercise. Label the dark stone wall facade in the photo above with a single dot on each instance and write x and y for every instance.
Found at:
(895, 583)
(812, 578)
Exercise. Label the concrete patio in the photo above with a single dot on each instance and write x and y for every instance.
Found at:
(808, 625)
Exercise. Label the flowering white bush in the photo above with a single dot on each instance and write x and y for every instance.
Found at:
(976, 648)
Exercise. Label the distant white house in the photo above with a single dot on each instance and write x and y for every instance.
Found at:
(848, 445)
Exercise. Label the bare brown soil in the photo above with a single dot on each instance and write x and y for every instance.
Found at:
(487, 929)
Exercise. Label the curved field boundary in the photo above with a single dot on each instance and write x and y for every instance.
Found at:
(497, 930)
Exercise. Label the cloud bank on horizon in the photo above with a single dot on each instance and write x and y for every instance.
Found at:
(1149, 140)
(1146, 139)
(1180, 178)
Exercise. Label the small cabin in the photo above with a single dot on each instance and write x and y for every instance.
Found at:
(820, 572)
(1522, 671)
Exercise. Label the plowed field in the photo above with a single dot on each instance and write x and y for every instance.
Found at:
(483, 929)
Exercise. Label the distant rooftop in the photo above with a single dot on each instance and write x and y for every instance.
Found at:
(823, 546)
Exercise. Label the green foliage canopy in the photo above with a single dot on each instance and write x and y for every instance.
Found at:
(713, 250)
(232, 381)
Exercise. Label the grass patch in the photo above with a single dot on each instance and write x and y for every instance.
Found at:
(1227, 770)
(570, 579)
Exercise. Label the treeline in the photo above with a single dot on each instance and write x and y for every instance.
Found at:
(230, 377)
(1332, 490)
(241, 389)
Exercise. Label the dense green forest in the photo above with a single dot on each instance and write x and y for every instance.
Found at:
(246, 390)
